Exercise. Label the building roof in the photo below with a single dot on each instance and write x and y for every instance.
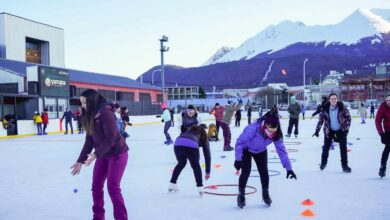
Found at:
(6, 13)
(80, 76)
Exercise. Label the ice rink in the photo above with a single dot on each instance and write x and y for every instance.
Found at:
(36, 183)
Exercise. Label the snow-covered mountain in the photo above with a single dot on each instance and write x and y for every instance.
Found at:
(220, 53)
(360, 24)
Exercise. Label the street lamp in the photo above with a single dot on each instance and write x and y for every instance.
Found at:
(162, 50)
(153, 75)
(304, 80)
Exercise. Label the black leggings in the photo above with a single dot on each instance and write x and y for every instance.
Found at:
(192, 154)
(342, 139)
(261, 160)
(385, 153)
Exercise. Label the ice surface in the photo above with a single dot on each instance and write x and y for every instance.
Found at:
(36, 184)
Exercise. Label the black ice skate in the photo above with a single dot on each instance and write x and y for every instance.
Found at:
(288, 135)
(322, 166)
(382, 171)
(267, 200)
(241, 198)
(347, 169)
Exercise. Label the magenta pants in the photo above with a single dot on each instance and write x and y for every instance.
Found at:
(112, 169)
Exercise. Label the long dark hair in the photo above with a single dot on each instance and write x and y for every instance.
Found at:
(201, 130)
(94, 100)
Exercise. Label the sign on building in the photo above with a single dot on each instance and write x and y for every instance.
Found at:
(53, 82)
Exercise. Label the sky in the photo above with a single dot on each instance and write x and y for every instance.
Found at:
(120, 37)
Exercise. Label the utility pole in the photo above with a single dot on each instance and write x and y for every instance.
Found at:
(162, 50)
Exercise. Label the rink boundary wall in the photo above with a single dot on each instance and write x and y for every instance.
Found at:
(28, 128)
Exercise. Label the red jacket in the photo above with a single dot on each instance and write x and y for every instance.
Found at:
(218, 112)
(383, 115)
(45, 118)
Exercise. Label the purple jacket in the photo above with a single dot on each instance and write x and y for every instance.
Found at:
(106, 139)
(254, 140)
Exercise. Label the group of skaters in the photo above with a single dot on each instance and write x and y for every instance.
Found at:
(110, 148)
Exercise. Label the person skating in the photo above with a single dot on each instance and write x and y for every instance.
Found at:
(320, 106)
(217, 111)
(337, 120)
(188, 118)
(167, 120)
(230, 108)
(294, 109)
(111, 153)
(38, 122)
(45, 120)
(362, 113)
(303, 110)
(249, 114)
(187, 148)
(252, 143)
(172, 112)
(238, 118)
(372, 111)
(77, 118)
(382, 123)
(68, 115)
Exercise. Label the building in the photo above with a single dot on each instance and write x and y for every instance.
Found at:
(33, 77)
(182, 92)
(30, 41)
(357, 90)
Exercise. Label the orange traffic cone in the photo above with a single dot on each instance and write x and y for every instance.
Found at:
(307, 202)
(217, 166)
(308, 213)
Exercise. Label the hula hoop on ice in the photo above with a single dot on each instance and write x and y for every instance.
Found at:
(270, 173)
(254, 190)
(277, 160)
(292, 143)
(289, 150)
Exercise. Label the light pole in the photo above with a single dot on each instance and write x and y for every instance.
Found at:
(304, 79)
(153, 75)
(162, 50)
(320, 87)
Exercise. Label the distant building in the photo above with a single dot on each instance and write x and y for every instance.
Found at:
(182, 92)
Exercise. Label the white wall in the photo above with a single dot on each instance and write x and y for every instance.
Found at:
(28, 126)
(17, 29)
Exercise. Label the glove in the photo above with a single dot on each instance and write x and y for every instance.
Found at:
(316, 134)
(239, 100)
(383, 138)
(291, 175)
(162, 120)
(237, 164)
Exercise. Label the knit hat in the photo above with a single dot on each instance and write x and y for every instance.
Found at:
(164, 105)
(190, 107)
(272, 120)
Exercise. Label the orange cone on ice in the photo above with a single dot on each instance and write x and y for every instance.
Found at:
(308, 213)
(307, 202)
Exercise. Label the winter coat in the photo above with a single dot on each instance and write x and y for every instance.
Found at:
(383, 117)
(362, 111)
(187, 121)
(294, 110)
(229, 111)
(166, 116)
(256, 141)
(37, 119)
(192, 139)
(343, 116)
(106, 139)
(372, 109)
(217, 112)
(68, 115)
(238, 114)
(45, 118)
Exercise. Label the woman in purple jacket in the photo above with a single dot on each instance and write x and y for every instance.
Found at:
(110, 153)
(253, 143)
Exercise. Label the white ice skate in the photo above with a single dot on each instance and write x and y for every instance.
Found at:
(172, 187)
(200, 190)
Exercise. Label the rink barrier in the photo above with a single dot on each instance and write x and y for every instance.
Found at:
(254, 190)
